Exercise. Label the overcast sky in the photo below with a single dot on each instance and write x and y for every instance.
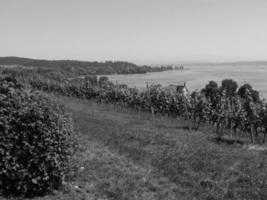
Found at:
(140, 31)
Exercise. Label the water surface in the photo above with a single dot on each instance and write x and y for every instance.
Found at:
(196, 77)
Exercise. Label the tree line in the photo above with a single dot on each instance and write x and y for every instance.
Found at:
(73, 68)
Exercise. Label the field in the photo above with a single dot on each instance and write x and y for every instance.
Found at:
(124, 154)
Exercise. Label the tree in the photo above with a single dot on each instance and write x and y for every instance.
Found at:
(90, 80)
(211, 91)
(229, 86)
(246, 91)
(103, 79)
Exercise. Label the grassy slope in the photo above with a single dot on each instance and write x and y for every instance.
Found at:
(127, 155)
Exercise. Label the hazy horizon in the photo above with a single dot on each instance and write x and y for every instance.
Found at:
(142, 32)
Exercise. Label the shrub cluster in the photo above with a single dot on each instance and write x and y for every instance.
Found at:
(226, 107)
(37, 140)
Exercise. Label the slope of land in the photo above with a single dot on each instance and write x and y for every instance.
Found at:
(124, 154)
(75, 67)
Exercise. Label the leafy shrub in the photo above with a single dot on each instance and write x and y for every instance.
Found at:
(37, 140)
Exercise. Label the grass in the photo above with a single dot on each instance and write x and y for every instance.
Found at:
(125, 155)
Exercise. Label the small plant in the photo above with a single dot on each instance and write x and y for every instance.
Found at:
(37, 140)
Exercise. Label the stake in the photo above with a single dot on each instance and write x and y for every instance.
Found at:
(252, 133)
(152, 111)
(264, 136)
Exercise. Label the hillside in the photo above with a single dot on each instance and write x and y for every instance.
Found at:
(74, 67)
(124, 154)
(244, 63)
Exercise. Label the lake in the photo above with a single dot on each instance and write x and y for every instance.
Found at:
(196, 77)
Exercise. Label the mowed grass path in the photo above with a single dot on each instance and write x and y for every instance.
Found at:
(125, 155)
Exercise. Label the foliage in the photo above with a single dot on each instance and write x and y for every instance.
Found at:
(36, 141)
(103, 80)
(73, 68)
(90, 80)
(246, 91)
(224, 110)
(168, 158)
(229, 86)
(211, 91)
(221, 107)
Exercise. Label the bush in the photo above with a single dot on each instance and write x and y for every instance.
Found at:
(36, 142)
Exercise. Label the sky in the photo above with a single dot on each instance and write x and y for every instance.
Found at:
(139, 31)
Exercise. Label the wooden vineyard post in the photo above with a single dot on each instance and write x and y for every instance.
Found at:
(231, 126)
(218, 130)
(152, 112)
(230, 114)
(198, 124)
(186, 109)
(252, 133)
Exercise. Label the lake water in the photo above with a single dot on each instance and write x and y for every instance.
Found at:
(196, 77)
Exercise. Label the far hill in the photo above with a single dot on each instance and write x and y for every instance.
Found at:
(253, 63)
(76, 67)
